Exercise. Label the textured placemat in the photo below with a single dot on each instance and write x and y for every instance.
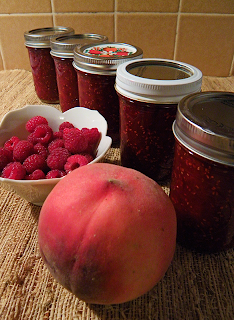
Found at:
(196, 286)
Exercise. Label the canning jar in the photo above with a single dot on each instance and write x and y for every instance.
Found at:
(96, 71)
(62, 52)
(149, 91)
(202, 183)
(37, 41)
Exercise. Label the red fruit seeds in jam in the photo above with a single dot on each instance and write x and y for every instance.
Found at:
(45, 154)
(203, 196)
(67, 83)
(44, 75)
(97, 92)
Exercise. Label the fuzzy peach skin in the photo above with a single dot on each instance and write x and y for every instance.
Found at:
(107, 233)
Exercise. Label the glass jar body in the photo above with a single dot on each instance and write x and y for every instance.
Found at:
(67, 83)
(202, 192)
(146, 137)
(97, 92)
(44, 76)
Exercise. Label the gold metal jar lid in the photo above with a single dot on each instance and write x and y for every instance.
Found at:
(63, 46)
(40, 38)
(205, 124)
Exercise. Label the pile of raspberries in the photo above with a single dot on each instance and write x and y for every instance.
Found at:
(47, 154)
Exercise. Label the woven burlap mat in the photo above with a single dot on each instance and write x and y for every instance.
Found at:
(196, 286)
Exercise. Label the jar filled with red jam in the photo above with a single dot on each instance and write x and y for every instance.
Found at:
(37, 42)
(62, 53)
(96, 67)
(149, 91)
(202, 183)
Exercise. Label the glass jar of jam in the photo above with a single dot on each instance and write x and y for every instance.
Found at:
(37, 42)
(62, 52)
(96, 67)
(202, 183)
(149, 91)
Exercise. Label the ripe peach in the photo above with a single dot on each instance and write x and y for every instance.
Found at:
(107, 233)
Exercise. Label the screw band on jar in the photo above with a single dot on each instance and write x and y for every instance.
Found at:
(63, 46)
(149, 91)
(40, 38)
(157, 80)
(203, 126)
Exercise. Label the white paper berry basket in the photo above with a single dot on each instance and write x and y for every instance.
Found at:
(13, 124)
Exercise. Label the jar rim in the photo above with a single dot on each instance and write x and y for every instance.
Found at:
(63, 46)
(40, 37)
(154, 79)
(105, 56)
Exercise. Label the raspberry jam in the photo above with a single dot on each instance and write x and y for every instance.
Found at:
(44, 76)
(37, 42)
(94, 99)
(202, 188)
(149, 91)
(62, 53)
(144, 150)
(96, 71)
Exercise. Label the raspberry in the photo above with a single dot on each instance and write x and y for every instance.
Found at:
(46, 150)
(64, 125)
(93, 136)
(55, 174)
(14, 170)
(88, 156)
(35, 175)
(43, 133)
(33, 162)
(57, 158)
(22, 150)
(74, 140)
(5, 157)
(39, 148)
(58, 135)
(11, 143)
(75, 161)
(32, 123)
(31, 138)
(55, 144)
